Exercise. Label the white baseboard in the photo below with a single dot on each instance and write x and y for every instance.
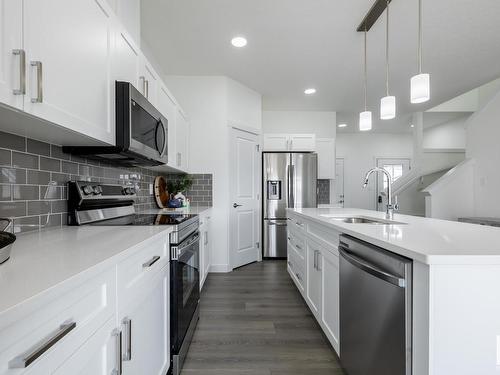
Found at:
(220, 268)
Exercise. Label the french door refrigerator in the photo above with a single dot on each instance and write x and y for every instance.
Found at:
(289, 181)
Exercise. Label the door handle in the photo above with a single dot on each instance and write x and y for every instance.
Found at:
(26, 359)
(127, 356)
(236, 205)
(117, 334)
(22, 71)
(39, 82)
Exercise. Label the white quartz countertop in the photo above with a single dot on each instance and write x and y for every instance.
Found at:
(41, 260)
(426, 240)
(183, 210)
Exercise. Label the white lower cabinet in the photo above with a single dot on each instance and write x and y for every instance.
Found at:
(320, 286)
(145, 328)
(330, 297)
(95, 322)
(98, 356)
(314, 276)
(205, 247)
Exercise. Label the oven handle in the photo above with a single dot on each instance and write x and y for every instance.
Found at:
(177, 251)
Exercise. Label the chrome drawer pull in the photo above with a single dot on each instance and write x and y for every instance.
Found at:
(152, 261)
(117, 334)
(30, 356)
(127, 356)
(22, 71)
(39, 82)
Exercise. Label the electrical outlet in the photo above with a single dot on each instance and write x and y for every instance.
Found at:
(150, 189)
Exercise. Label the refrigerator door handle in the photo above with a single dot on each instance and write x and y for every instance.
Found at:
(291, 197)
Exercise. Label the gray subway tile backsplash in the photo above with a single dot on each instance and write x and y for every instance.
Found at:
(37, 147)
(27, 166)
(323, 191)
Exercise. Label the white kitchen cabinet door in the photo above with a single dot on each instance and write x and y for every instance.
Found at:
(302, 142)
(325, 148)
(98, 356)
(167, 107)
(330, 301)
(11, 53)
(313, 274)
(145, 328)
(276, 142)
(68, 54)
(182, 132)
(149, 81)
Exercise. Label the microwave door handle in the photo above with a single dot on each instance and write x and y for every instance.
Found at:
(165, 139)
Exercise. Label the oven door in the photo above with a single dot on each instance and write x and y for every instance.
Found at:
(185, 287)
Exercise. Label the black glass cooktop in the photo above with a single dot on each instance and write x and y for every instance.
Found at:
(148, 219)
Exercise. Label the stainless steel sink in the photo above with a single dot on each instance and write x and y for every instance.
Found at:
(362, 220)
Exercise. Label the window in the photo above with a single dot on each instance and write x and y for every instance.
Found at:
(395, 170)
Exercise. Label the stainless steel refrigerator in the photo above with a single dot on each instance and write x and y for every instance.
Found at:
(289, 181)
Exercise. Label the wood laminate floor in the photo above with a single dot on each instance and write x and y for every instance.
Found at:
(253, 321)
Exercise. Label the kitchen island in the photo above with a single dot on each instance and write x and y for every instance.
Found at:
(455, 284)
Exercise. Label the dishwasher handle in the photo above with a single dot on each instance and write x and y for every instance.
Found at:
(372, 269)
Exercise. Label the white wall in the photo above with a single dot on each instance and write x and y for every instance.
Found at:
(360, 151)
(323, 124)
(204, 100)
(450, 135)
(483, 137)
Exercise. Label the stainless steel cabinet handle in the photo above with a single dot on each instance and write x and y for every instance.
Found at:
(318, 261)
(205, 242)
(127, 356)
(117, 334)
(150, 262)
(143, 79)
(314, 259)
(27, 358)
(22, 71)
(146, 91)
(39, 82)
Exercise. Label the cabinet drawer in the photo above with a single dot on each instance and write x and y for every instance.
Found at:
(296, 270)
(325, 235)
(297, 243)
(143, 264)
(297, 223)
(37, 336)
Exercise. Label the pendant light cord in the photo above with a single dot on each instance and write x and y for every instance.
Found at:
(420, 36)
(366, 73)
(387, 50)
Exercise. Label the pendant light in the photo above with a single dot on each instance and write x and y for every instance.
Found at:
(420, 83)
(365, 117)
(387, 103)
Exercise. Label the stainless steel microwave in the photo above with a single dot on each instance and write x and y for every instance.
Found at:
(141, 132)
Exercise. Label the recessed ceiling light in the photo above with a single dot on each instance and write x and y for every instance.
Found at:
(342, 125)
(239, 41)
(412, 126)
(310, 91)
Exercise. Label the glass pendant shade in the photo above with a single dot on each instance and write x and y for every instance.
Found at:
(365, 121)
(420, 88)
(388, 107)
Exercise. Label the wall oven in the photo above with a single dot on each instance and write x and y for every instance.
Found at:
(141, 132)
(185, 291)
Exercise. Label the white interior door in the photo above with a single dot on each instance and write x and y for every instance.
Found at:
(396, 168)
(338, 184)
(244, 198)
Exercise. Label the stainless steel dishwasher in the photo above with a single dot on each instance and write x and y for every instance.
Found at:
(375, 310)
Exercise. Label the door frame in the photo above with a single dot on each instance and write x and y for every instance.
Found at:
(232, 130)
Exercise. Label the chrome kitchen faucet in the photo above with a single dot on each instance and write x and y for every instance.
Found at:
(391, 207)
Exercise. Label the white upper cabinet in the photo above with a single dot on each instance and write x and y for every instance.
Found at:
(149, 81)
(276, 142)
(182, 133)
(289, 142)
(12, 56)
(168, 108)
(325, 148)
(68, 53)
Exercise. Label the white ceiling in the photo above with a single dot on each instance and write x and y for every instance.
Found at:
(295, 44)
